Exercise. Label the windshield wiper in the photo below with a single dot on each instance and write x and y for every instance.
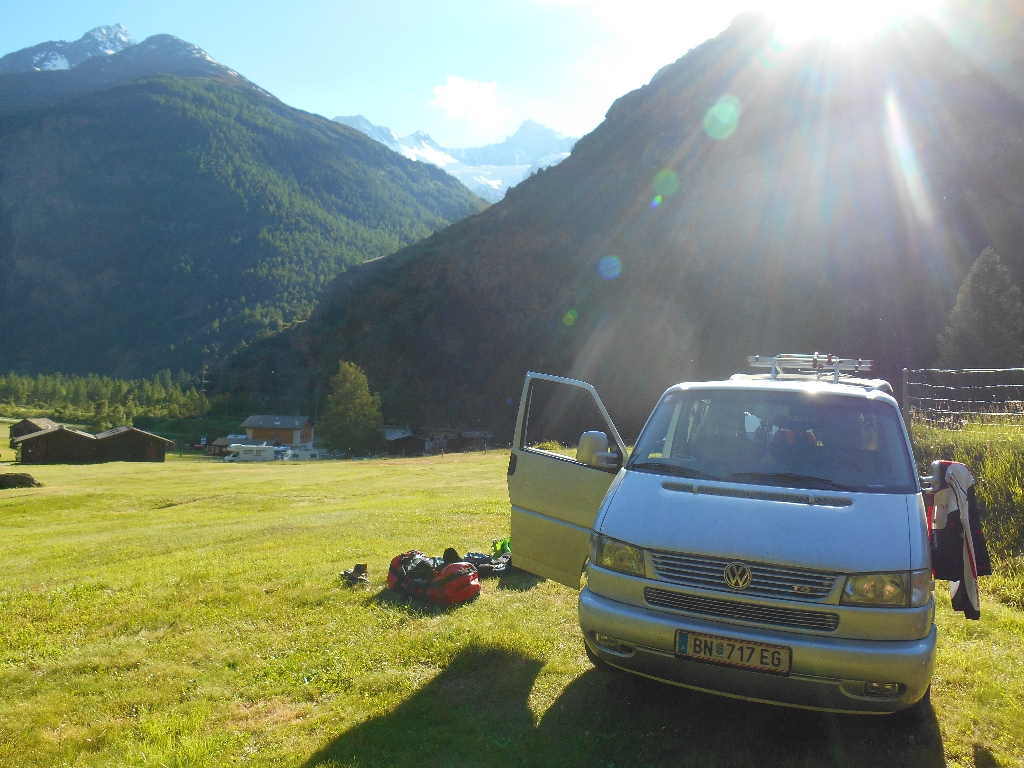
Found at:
(787, 478)
(674, 470)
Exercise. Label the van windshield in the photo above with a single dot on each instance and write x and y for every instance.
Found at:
(791, 439)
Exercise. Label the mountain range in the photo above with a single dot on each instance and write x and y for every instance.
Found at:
(60, 54)
(753, 198)
(488, 171)
(159, 210)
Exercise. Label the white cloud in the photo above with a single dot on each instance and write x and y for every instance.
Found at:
(474, 102)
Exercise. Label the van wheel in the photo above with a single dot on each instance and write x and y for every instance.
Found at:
(916, 714)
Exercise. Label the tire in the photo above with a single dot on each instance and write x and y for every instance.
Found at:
(916, 714)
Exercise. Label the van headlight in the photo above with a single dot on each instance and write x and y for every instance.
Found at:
(616, 555)
(897, 590)
(921, 587)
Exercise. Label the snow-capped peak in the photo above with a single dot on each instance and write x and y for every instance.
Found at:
(488, 171)
(110, 40)
(60, 54)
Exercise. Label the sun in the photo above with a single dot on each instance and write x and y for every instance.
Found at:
(840, 20)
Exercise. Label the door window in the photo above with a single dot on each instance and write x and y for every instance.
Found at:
(556, 416)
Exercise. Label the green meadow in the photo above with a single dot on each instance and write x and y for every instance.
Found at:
(191, 614)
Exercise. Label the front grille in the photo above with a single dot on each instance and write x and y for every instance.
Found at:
(730, 609)
(775, 581)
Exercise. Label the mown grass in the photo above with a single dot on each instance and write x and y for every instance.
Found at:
(6, 452)
(190, 613)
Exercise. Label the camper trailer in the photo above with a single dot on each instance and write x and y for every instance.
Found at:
(250, 453)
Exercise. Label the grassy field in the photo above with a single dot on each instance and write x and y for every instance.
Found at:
(191, 613)
(6, 452)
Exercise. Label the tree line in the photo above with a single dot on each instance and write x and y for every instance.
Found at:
(351, 421)
(101, 402)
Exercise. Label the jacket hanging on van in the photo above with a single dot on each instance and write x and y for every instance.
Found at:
(959, 553)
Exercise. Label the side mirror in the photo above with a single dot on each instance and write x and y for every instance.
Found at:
(593, 451)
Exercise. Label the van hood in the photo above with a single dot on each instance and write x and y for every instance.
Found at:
(872, 534)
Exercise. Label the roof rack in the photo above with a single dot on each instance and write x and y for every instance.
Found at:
(817, 364)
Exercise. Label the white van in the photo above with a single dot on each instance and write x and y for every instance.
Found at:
(241, 453)
(766, 539)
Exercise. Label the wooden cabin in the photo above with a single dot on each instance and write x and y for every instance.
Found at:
(130, 444)
(28, 426)
(400, 441)
(61, 445)
(219, 447)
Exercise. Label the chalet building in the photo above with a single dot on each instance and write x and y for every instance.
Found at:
(28, 426)
(219, 447)
(448, 440)
(130, 444)
(60, 445)
(400, 441)
(293, 431)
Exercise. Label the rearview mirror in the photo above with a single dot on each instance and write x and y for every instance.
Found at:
(593, 451)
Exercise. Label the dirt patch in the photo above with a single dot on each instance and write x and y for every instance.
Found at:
(265, 714)
(18, 480)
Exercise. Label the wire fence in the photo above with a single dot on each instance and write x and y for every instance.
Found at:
(988, 402)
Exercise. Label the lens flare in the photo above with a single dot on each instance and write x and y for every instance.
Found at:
(570, 317)
(609, 267)
(656, 201)
(666, 182)
(722, 120)
(903, 159)
(840, 20)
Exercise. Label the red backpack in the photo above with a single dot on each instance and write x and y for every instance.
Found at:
(416, 574)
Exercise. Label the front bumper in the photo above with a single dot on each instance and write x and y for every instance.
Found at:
(827, 672)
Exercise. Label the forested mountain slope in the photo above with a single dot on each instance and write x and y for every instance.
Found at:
(163, 221)
(758, 198)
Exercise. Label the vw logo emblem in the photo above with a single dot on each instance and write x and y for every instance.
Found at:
(737, 575)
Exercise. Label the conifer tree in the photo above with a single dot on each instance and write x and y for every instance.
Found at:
(116, 416)
(351, 421)
(100, 421)
(984, 329)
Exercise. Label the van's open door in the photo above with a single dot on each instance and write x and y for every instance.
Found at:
(565, 453)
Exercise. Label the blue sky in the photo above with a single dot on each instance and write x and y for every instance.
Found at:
(466, 72)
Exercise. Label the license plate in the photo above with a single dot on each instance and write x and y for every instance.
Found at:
(762, 657)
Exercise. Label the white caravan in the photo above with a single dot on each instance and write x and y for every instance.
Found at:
(250, 453)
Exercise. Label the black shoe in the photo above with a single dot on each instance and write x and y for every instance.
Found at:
(359, 574)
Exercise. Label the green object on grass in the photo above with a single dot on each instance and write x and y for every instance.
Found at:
(500, 546)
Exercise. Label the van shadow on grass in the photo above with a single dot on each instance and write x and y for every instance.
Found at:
(517, 580)
(476, 712)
